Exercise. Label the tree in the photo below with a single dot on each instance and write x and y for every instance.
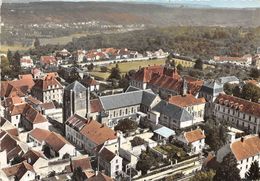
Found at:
(146, 161)
(250, 92)
(66, 156)
(15, 64)
(253, 172)
(255, 73)
(215, 134)
(90, 67)
(73, 76)
(137, 141)
(203, 176)
(103, 69)
(123, 83)
(78, 175)
(198, 64)
(9, 56)
(4, 66)
(115, 73)
(36, 43)
(180, 67)
(126, 125)
(228, 88)
(228, 169)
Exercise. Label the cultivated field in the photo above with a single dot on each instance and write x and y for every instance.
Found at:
(125, 67)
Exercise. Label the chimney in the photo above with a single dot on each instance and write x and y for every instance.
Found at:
(242, 139)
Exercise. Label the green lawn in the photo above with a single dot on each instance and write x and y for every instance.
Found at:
(20, 48)
(125, 67)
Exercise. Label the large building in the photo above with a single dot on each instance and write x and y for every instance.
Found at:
(88, 134)
(48, 89)
(239, 112)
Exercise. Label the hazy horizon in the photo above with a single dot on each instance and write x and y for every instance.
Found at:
(206, 3)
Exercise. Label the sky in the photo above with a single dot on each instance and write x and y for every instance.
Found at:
(211, 3)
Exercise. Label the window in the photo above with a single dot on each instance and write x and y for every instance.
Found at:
(244, 116)
(126, 111)
(120, 112)
(117, 167)
(116, 161)
(16, 117)
(249, 118)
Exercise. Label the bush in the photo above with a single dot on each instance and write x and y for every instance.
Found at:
(137, 141)
(103, 69)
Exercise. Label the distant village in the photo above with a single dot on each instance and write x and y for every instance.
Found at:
(164, 125)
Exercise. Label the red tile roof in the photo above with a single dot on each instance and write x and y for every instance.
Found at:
(39, 134)
(88, 81)
(106, 155)
(84, 162)
(248, 148)
(194, 135)
(48, 60)
(43, 84)
(186, 100)
(10, 101)
(26, 76)
(33, 115)
(98, 133)
(31, 156)
(56, 141)
(100, 177)
(145, 74)
(18, 170)
(240, 104)
(17, 109)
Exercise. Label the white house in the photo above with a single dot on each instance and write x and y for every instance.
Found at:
(48, 89)
(246, 150)
(59, 146)
(194, 138)
(110, 162)
(26, 62)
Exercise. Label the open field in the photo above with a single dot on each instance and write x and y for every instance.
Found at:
(125, 67)
(63, 40)
(5, 48)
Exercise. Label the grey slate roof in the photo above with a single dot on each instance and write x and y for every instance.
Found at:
(212, 87)
(227, 79)
(76, 86)
(127, 99)
(132, 88)
(173, 111)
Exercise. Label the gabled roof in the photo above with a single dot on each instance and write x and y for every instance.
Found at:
(186, 100)
(9, 127)
(107, 155)
(84, 162)
(31, 156)
(145, 74)
(76, 86)
(47, 105)
(48, 59)
(18, 170)
(212, 86)
(228, 79)
(173, 111)
(240, 104)
(17, 109)
(250, 146)
(100, 177)
(56, 141)
(39, 134)
(43, 84)
(33, 115)
(194, 135)
(92, 130)
(12, 101)
(127, 99)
